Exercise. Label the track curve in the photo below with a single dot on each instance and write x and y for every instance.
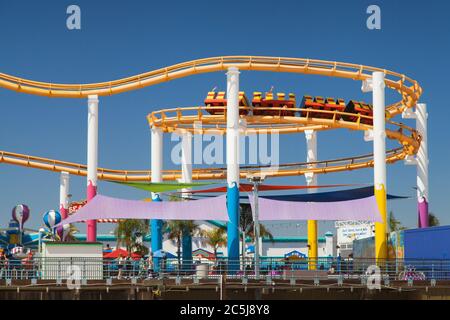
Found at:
(409, 144)
(408, 88)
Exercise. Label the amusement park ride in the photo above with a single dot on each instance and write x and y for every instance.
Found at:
(280, 114)
(16, 239)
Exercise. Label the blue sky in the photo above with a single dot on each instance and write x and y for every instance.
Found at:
(122, 38)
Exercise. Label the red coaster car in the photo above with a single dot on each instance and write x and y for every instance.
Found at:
(317, 103)
(214, 100)
(261, 105)
(361, 108)
(332, 104)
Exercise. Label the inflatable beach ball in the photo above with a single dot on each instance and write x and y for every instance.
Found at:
(63, 231)
(21, 213)
(51, 218)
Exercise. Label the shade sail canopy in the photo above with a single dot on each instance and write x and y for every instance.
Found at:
(364, 209)
(103, 207)
(333, 196)
(161, 187)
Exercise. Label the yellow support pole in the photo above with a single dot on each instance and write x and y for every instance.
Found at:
(381, 249)
(312, 245)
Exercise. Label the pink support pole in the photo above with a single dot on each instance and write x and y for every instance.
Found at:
(91, 224)
(423, 213)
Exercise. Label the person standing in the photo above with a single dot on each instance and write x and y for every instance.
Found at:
(3, 262)
(150, 266)
(120, 264)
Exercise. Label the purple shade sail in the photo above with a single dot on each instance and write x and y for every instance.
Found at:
(364, 209)
(103, 207)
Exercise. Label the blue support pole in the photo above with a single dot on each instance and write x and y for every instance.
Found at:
(156, 234)
(233, 227)
(186, 249)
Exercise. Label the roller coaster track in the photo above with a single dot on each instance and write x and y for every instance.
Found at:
(409, 145)
(284, 170)
(408, 88)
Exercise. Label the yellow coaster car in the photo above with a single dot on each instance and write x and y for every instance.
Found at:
(262, 105)
(319, 103)
(361, 108)
(214, 101)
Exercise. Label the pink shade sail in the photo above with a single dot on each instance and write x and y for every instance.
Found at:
(103, 207)
(364, 209)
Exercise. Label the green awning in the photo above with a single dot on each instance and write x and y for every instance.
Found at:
(161, 186)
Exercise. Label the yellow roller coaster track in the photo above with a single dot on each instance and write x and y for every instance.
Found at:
(408, 88)
(409, 145)
(171, 120)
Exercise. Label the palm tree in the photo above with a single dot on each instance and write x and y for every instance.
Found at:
(247, 227)
(433, 220)
(126, 233)
(70, 236)
(176, 229)
(216, 238)
(394, 224)
(263, 233)
(72, 231)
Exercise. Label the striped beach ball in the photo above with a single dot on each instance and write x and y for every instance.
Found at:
(51, 218)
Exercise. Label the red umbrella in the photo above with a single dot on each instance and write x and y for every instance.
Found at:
(120, 252)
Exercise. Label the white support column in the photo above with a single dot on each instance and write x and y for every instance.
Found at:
(186, 160)
(232, 133)
(311, 180)
(92, 161)
(156, 155)
(379, 130)
(422, 155)
(64, 194)
(421, 161)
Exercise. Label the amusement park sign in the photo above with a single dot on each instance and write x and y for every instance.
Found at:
(348, 231)
(76, 205)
